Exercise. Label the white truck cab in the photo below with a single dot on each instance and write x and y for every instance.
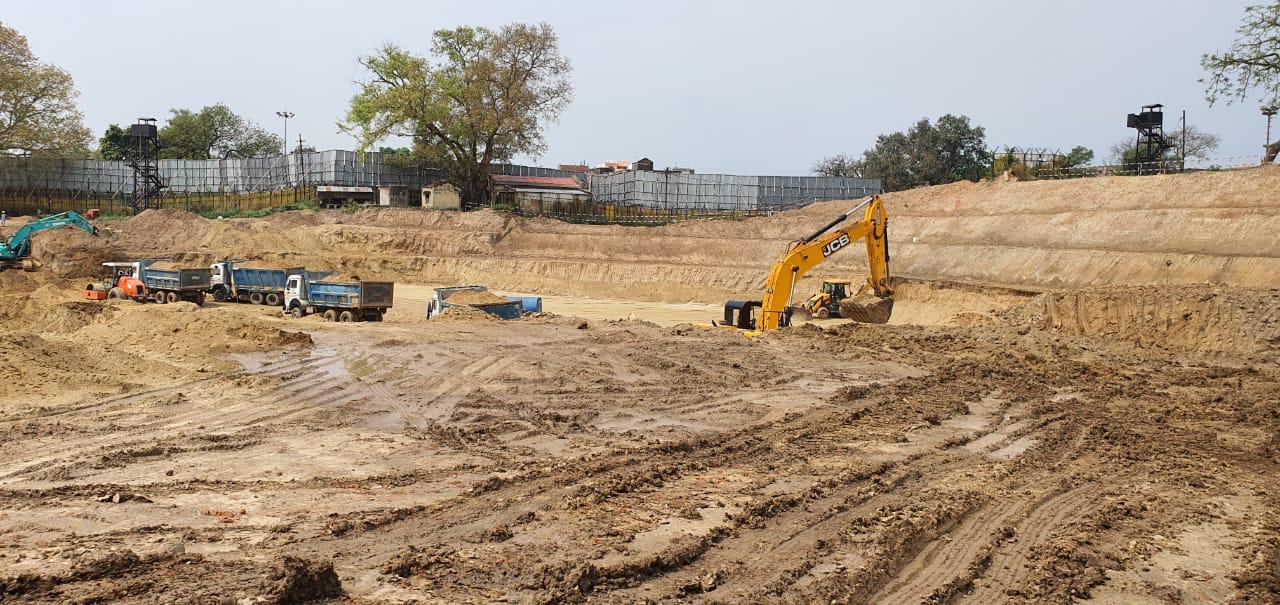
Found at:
(295, 296)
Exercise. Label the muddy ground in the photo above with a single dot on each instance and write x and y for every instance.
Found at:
(1028, 456)
(1059, 411)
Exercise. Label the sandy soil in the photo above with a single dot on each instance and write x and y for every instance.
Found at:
(1109, 444)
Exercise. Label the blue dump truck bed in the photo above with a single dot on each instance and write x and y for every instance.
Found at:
(529, 304)
(250, 279)
(177, 279)
(351, 295)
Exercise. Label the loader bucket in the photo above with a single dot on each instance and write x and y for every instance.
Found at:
(867, 309)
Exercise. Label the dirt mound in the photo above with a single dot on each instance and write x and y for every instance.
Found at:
(464, 314)
(301, 581)
(1239, 322)
(268, 264)
(72, 253)
(43, 367)
(175, 264)
(341, 278)
(475, 297)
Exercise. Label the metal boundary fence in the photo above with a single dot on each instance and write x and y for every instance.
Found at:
(43, 185)
(1033, 164)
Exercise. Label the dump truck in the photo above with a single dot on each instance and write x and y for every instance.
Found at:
(343, 301)
(142, 280)
(511, 308)
(260, 286)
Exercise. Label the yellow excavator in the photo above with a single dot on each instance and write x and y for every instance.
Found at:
(755, 317)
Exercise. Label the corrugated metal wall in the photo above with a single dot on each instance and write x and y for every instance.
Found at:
(717, 192)
(660, 190)
(336, 167)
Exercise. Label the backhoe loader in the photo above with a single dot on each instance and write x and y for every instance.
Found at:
(826, 303)
(773, 311)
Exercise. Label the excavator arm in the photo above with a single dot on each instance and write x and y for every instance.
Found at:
(19, 245)
(774, 309)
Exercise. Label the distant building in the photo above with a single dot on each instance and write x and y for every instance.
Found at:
(575, 168)
(612, 166)
(540, 193)
(643, 164)
(441, 195)
(393, 195)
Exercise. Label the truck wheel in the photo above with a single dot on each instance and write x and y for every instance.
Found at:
(256, 298)
(822, 313)
(272, 299)
(220, 295)
(115, 294)
(161, 298)
(347, 317)
(296, 312)
(199, 299)
(330, 315)
(171, 296)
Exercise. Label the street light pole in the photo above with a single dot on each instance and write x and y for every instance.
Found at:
(286, 115)
(1268, 110)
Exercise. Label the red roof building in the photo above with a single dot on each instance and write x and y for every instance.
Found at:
(538, 182)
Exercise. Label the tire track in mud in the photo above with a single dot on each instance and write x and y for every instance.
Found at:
(1010, 563)
(609, 478)
(949, 556)
(273, 403)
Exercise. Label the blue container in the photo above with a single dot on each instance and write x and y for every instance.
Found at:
(529, 304)
(350, 295)
(249, 279)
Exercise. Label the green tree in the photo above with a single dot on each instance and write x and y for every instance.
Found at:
(1200, 146)
(398, 156)
(928, 154)
(214, 132)
(38, 114)
(483, 96)
(115, 143)
(1077, 157)
(838, 165)
(1251, 64)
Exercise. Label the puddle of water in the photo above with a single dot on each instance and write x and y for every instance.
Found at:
(1014, 449)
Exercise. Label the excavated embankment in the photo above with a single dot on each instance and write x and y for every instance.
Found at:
(1216, 228)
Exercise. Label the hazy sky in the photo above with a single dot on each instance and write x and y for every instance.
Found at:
(746, 87)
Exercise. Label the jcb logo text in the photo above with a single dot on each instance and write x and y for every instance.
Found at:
(839, 243)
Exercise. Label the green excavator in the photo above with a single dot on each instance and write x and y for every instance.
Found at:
(16, 251)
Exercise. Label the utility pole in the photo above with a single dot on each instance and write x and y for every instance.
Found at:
(1269, 111)
(286, 115)
(1182, 143)
(302, 173)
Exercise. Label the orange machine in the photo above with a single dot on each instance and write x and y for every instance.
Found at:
(120, 285)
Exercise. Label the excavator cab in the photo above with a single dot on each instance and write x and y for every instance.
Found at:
(741, 314)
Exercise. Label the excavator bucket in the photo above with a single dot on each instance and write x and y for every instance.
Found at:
(867, 309)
